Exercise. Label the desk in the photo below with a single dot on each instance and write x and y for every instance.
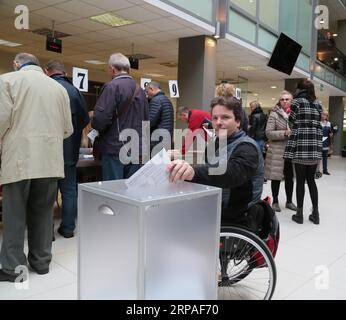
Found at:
(88, 170)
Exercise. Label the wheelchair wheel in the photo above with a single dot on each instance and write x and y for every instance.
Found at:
(246, 267)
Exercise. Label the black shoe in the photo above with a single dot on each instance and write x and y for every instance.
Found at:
(8, 277)
(298, 217)
(326, 172)
(65, 234)
(39, 271)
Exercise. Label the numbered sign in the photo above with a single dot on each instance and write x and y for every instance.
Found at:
(238, 93)
(144, 82)
(80, 79)
(173, 88)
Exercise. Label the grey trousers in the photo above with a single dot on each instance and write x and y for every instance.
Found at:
(27, 203)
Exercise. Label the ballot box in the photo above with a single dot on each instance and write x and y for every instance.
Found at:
(157, 243)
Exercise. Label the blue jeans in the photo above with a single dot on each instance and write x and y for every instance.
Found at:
(68, 190)
(114, 169)
(261, 144)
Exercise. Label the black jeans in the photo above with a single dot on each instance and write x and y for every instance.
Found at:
(275, 184)
(325, 160)
(306, 173)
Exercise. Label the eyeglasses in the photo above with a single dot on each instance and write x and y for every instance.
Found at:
(287, 99)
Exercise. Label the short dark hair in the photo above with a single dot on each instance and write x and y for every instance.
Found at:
(183, 110)
(231, 103)
(55, 65)
(307, 85)
(154, 84)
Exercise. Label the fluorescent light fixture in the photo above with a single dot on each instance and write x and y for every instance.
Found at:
(9, 43)
(273, 87)
(335, 34)
(94, 62)
(110, 19)
(247, 68)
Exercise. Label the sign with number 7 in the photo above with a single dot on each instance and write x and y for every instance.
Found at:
(80, 79)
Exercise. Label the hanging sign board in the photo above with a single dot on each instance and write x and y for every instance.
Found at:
(80, 79)
(238, 93)
(173, 88)
(144, 82)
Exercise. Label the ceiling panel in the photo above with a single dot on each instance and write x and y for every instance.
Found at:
(80, 8)
(110, 5)
(56, 14)
(137, 14)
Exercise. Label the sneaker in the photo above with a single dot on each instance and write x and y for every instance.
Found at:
(291, 206)
(65, 234)
(276, 207)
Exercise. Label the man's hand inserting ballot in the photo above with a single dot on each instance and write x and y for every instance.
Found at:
(180, 170)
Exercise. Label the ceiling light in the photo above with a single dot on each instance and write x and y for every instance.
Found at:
(247, 68)
(321, 21)
(9, 43)
(94, 62)
(336, 59)
(112, 20)
(335, 34)
(255, 94)
(274, 87)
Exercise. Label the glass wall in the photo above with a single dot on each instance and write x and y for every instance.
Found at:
(269, 13)
(249, 6)
(242, 27)
(201, 8)
(296, 21)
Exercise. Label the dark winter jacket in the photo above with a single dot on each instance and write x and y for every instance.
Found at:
(80, 119)
(114, 98)
(161, 115)
(243, 178)
(257, 124)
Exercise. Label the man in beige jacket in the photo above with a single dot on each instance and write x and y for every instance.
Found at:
(35, 118)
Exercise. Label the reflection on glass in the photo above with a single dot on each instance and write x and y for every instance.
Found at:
(201, 8)
(247, 5)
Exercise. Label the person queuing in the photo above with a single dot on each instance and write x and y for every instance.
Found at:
(276, 168)
(257, 124)
(195, 119)
(160, 111)
(326, 140)
(121, 105)
(80, 118)
(35, 118)
(304, 146)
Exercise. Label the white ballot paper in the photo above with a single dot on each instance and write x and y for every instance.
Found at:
(153, 173)
(92, 135)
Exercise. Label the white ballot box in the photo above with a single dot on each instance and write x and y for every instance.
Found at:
(157, 243)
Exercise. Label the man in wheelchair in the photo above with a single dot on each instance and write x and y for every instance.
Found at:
(243, 177)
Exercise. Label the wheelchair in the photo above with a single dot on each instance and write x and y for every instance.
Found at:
(247, 268)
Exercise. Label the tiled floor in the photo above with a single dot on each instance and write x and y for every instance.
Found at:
(311, 261)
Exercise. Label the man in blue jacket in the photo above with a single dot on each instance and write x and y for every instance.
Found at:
(161, 113)
(68, 186)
